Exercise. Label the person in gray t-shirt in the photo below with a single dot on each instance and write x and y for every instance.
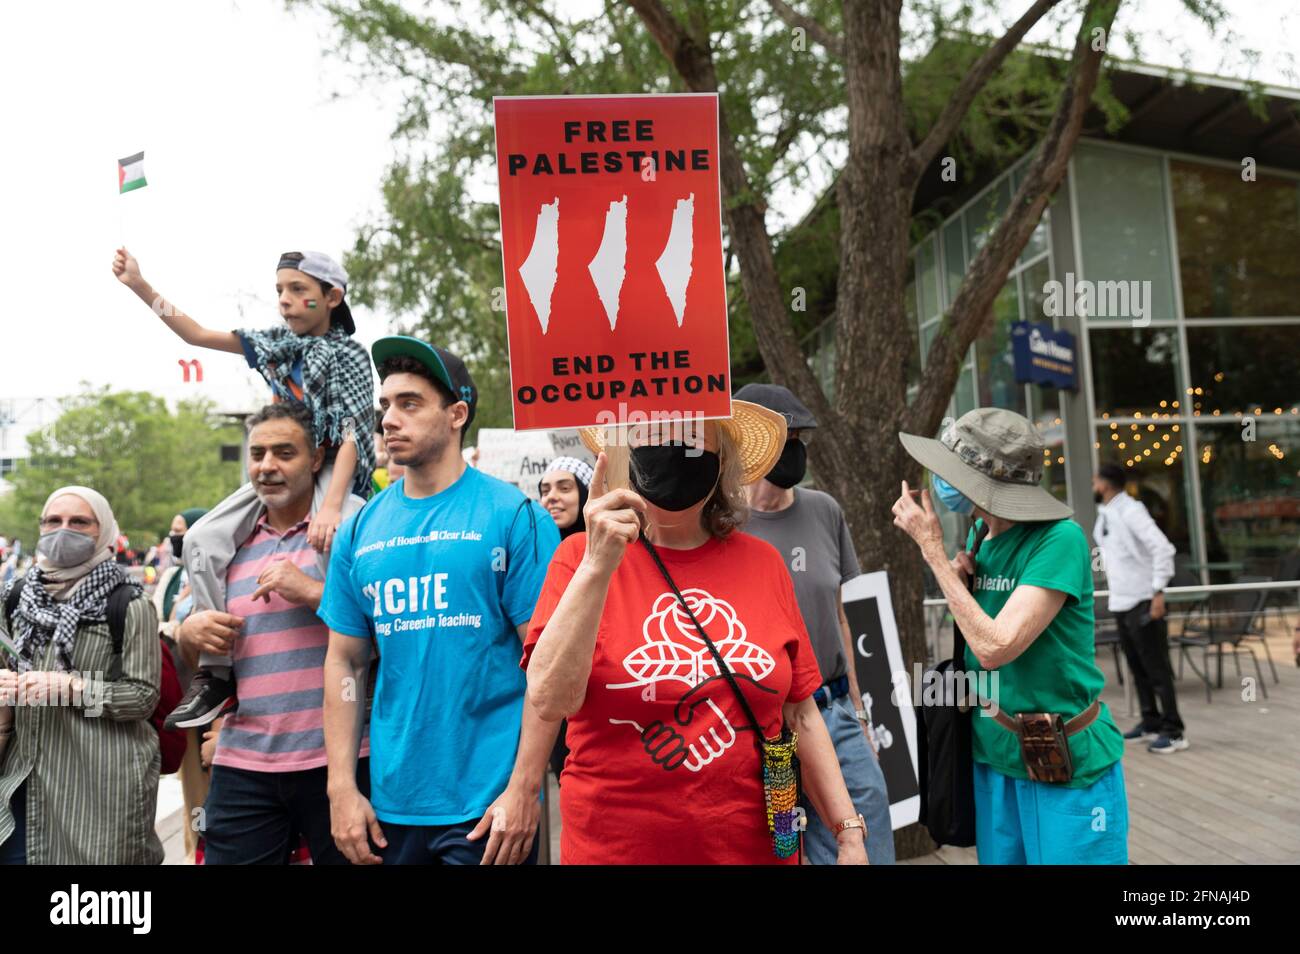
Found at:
(813, 538)
(808, 529)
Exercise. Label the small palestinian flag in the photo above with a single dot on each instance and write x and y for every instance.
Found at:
(130, 173)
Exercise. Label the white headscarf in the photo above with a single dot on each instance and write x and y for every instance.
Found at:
(60, 581)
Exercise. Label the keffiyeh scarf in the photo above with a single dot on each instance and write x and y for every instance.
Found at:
(40, 619)
(337, 385)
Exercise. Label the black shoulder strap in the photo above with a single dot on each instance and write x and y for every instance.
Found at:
(524, 505)
(11, 601)
(959, 640)
(119, 604)
(713, 650)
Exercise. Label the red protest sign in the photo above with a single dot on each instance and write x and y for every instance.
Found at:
(611, 236)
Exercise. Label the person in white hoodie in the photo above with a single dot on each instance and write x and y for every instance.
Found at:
(1139, 562)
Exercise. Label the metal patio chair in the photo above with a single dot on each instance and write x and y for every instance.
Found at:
(1226, 621)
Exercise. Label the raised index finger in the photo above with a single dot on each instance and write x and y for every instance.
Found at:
(598, 477)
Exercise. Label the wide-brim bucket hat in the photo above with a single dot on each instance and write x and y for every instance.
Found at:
(994, 457)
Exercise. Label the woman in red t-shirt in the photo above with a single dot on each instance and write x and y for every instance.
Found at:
(663, 767)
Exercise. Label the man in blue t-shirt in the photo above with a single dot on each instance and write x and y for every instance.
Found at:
(441, 570)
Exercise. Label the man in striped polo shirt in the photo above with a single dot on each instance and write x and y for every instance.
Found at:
(268, 777)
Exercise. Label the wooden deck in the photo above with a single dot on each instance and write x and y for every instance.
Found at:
(1230, 798)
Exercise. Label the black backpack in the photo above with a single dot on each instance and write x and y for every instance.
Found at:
(944, 751)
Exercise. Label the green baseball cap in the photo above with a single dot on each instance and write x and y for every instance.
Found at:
(446, 367)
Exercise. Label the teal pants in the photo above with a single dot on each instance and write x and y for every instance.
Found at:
(1020, 822)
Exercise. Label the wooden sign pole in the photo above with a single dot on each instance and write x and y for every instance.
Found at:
(616, 457)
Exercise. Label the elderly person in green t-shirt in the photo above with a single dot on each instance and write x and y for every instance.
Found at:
(1049, 788)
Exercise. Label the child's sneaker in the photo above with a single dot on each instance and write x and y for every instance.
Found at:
(1167, 744)
(207, 699)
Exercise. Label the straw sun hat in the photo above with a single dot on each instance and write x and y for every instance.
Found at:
(757, 432)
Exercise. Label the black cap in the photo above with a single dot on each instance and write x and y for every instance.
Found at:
(779, 399)
(442, 364)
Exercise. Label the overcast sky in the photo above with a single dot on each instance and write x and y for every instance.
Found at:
(248, 152)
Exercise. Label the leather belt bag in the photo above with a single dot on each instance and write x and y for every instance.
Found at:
(1044, 745)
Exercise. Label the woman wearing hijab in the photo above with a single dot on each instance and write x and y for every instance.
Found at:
(173, 582)
(79, 758)
(563, 493)
(674, 646)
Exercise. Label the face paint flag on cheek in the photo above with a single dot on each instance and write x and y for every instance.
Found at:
(310, 302)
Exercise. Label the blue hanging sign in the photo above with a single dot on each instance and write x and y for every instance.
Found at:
(1044, 356)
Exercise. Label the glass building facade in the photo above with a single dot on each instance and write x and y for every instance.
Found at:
(1197, 395)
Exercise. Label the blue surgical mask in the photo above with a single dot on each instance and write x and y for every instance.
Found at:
(950, 496)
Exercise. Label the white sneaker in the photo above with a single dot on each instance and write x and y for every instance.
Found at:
(1166, 744)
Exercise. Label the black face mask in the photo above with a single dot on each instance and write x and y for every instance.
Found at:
(674, 476)
(1096, 496)
(176, 539)
(791, 465)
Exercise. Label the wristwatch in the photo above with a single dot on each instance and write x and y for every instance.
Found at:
(857, 821)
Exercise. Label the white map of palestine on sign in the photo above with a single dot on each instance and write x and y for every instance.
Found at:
(608, 268)
(538, 269)
(674, 265)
